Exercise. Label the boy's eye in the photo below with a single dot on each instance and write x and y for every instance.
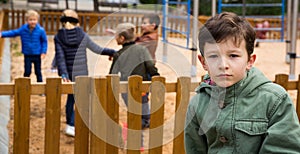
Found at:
(234, 55)
(212, 56)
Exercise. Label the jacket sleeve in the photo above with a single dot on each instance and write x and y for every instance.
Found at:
(11, 33)
(44, 41)
(97, 49)
(149, 64)
(283, 134)
(194, 142)
(114, 68)
(60, 59)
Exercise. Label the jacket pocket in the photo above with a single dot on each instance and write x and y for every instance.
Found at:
(249, 135)
(252, 127)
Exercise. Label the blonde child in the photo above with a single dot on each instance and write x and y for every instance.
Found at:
(34, 43)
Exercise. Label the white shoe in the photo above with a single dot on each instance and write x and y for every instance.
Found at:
(70, 130)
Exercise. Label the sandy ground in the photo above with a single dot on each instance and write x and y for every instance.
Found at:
(270, 59)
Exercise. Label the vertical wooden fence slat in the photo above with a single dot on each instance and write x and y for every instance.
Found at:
(53, 115)
(182, 100)
(57, 23)
(157, 114)
(282, 79)
(23, 17)
(298, 98)
(18, 19)
(82, 106)
(84, 22)
(5, 23)
(52, 23)
(134, 113)
(106, 21)
(113, 132)
(46, 26)
(13, 19)
(98, 119)
(21, 115)
(92, 24)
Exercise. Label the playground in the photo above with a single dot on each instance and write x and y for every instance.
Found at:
(177, 62)
(270, 59)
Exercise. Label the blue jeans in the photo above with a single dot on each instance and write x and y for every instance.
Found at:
(145, 109)
(145, 112)
(36, 60)
(70, 109)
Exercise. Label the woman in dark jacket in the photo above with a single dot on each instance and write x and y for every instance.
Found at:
(71, 43)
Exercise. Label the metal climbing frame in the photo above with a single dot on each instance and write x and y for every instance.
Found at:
(244, 5)
(166, 15)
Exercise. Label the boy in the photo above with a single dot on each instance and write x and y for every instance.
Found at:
(237, 109)
(34, 43)
(133, 59)
(149, 38)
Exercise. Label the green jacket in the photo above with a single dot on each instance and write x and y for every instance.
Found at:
(133, 59)
(252, 116)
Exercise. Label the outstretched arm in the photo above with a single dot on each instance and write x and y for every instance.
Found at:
(96, 48)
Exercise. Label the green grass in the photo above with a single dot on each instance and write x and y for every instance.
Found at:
(147, 7)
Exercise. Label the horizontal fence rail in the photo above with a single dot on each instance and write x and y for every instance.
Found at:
(96, 23)
(91, 93)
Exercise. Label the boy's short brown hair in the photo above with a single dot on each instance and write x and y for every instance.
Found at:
(153, 18)
(226, 26)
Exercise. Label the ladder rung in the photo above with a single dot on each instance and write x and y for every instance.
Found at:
(253, 5)
(268, 29)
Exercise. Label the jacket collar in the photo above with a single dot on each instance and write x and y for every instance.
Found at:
(254, 79)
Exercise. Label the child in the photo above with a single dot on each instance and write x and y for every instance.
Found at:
(34, 43)
(71, 59)
(133, 59)
(237, 109)
(261, 34)
(149, 38)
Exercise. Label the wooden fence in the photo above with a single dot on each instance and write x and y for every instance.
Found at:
(92, 96)
(283, 80)
(97, 104)
(96, 23)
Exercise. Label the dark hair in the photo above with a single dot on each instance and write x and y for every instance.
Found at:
(225, 26)
(153, 18)
(68, 19)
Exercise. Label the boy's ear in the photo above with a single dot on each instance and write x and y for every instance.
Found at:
(251, 61)
(122, 38)
(202, 61)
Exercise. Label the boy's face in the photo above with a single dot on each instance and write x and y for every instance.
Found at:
(225, 62)
(32, 21)
(147, 26)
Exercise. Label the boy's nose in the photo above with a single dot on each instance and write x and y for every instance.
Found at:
(223, 64)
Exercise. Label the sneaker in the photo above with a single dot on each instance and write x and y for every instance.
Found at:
(70, 130)
(53, 69)
(124, 133)
(142, 149)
